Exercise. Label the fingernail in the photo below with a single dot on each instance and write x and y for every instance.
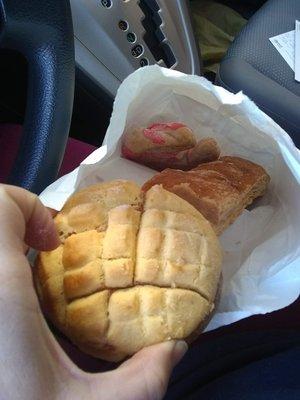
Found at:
(41, 233)
(180, 348)
(52, 240)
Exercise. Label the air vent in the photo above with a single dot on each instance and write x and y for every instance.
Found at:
(154, 37)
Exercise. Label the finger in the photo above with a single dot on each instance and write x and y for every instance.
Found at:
(52, 211)
(146, 375)
(24, 218)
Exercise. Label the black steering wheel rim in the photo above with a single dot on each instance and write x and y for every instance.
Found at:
(42, 31)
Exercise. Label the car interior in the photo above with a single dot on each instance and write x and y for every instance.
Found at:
(61, 64)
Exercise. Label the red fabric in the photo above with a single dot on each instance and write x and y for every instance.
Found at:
(9, 143)
(76, 151)
(10, 134)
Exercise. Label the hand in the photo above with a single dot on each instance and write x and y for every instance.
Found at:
(33, 365)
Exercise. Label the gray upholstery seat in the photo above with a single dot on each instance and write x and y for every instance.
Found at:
(253, 65)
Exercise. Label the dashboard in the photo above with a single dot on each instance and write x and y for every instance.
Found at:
(115, 37)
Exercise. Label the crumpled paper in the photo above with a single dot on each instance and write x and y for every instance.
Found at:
(261, 268)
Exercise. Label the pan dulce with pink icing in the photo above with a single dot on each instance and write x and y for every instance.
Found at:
(168, 145)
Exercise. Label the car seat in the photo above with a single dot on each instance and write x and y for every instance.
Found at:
(253, 65)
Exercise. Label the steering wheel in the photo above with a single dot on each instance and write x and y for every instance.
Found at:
(42, 31)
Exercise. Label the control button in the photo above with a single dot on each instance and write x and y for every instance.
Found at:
(144, 62)
(123, 25)
(131, 37)
(106, 3)
(137, 50)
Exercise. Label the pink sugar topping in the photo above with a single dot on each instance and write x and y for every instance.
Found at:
(153, 132)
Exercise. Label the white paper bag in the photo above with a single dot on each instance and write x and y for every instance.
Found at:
(261, 267)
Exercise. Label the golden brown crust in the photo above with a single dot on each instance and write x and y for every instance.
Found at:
(220, 190)
(88, 209)
(204, 323)
(169, 139)
(146, 276)
(168, 145)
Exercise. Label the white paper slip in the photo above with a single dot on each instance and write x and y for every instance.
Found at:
(285, 45)
(297, 51)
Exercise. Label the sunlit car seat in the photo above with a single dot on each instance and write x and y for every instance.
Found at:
(253, 65)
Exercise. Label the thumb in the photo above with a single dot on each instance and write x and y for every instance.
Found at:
(145, 376)
(24, 218)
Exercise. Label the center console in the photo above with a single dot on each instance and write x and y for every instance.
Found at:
(115, 37)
